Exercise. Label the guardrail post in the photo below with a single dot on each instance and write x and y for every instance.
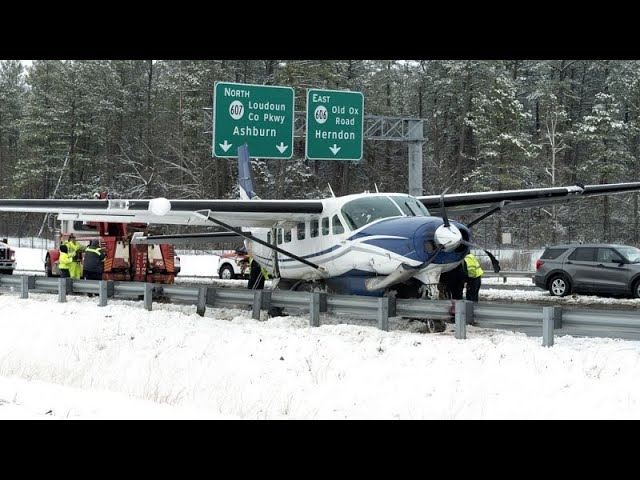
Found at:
(211, 296)
(557, 317)
(266, 299)
(383, 313)
(257, 304)
(202, 299)
(27, 283)
(64, 286)
(464, 316)
(148, 295)
(551, 318)
(314, 309)
(392, 306)
(105, 290)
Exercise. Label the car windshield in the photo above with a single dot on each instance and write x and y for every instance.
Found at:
(630, 253)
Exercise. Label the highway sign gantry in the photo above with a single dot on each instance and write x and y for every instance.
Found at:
(260, 115)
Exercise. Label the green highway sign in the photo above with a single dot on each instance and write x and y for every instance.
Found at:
(334, 125)
(260, 115)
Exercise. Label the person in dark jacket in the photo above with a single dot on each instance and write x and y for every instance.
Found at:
(452, 282)
(257, 276)
(94, 257)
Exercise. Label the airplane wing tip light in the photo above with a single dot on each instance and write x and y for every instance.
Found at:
(159, 206)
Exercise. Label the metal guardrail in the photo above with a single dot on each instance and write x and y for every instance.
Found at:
(509, 274)
(533, 320)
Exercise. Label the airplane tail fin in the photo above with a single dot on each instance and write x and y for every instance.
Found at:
(245, 179)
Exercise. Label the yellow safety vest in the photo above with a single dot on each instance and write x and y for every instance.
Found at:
(64, 261)
(473, 266)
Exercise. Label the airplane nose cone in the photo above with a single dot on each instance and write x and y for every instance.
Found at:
(449, 237)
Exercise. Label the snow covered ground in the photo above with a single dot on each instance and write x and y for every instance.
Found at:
(76, 360)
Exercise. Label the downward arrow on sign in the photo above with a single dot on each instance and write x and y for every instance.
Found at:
(225, 146)
(335, 149)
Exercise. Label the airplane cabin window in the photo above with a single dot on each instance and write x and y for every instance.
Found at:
(268, 237)
(337, 225)
(313, 231)
(287, 235)
(325, 226)
(300, 230)
(279, 238)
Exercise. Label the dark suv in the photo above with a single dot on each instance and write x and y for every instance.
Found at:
(589, 268)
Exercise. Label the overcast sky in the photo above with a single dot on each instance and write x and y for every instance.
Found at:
(76, 360)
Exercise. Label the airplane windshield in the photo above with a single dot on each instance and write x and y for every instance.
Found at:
(411, 206)
(365, 210)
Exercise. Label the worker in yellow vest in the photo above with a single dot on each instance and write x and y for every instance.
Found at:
(64, 262)
(474, 275)
(75, 249)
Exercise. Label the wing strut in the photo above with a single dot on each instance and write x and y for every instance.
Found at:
(490, 212)
(261, 242)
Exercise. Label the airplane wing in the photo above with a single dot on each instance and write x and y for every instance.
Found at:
(267, 213)
(482, 202)
(159, 211)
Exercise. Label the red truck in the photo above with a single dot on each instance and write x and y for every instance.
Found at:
(124, 262)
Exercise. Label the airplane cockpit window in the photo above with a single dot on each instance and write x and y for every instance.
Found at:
(279, 236)
(365, 210)
(337, 225)
(411, 207)
(325, 226)
(287, 235)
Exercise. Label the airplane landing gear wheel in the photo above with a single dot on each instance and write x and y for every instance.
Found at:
(436, 326)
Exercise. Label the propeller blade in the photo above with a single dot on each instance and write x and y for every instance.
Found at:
(402, 273)
(494, 261)
(444, 210)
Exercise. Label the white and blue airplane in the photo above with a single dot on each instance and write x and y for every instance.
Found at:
(365, 244)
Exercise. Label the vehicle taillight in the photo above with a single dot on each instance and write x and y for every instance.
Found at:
(539, 263)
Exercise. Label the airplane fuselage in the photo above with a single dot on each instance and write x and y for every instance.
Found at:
(357, 237)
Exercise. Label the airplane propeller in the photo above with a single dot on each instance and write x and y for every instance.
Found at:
(494, 261)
